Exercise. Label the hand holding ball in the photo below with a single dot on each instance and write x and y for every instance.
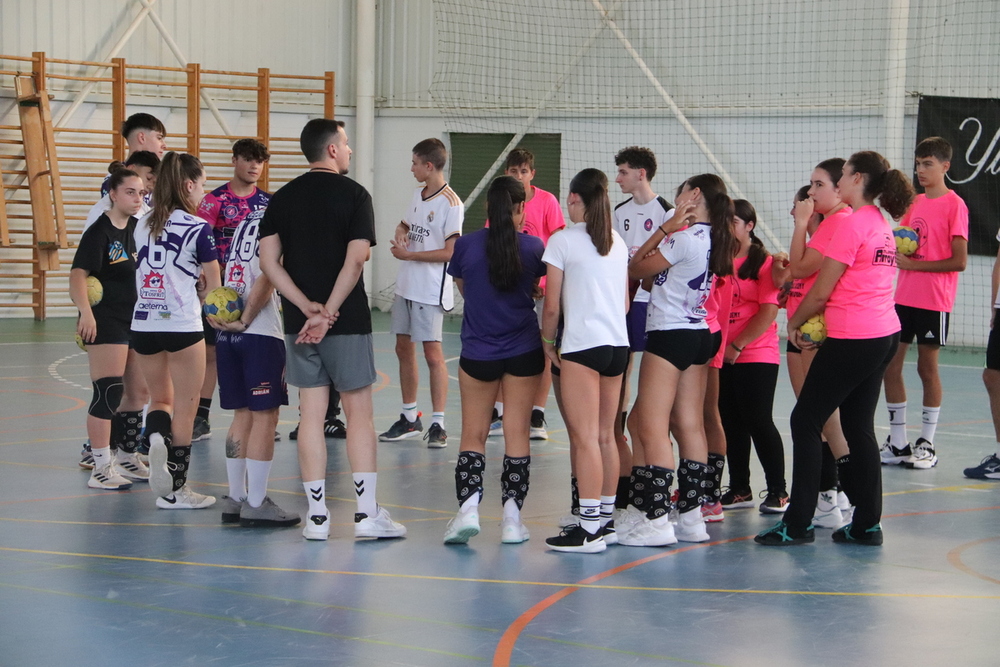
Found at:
(814, 329)
(907, 240)
(224, 303)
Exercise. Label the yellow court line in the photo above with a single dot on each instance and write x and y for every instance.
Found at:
(471, 580)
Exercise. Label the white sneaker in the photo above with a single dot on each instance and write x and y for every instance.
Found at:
(317, 526)
(108, 477)
(130, 467)
(161, 482)
(462, 526)
(627, 519)
(827, 512)
(894, 456)
(568, 520)
(843, 502)
(380, 525)
(185, 499)
(923, 457)
(690, 527)
(646, 533)
(512, 531)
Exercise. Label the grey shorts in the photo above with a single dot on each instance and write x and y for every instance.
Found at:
(346, 362)
(422, 322)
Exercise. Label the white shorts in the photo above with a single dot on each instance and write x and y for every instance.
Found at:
(422, 322)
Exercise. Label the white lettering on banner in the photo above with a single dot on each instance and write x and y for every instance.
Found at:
(994, 165)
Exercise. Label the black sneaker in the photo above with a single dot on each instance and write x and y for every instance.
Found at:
(736, 498)
(774, 503)
(334, 428)
(872, 537)
(577, 539)
(437, 437)
(294, 433)
(782, 535)
(202, 430)
(538, 431)
(402, 429)
(609, 533)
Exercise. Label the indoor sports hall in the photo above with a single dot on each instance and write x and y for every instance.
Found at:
(757, 92)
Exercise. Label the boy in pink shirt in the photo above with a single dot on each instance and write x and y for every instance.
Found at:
(925, 295)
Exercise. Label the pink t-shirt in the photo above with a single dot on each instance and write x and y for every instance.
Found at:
(819, 241)
(936, 221)
(720, 300)
(861, 305)
(748, 296)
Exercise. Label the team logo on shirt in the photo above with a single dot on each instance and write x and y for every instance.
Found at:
(648, 225)
(886, 255)
(230, 211)
(152, 286)
(430, 217)
(116, 253)
(919, 225)
(235, 279)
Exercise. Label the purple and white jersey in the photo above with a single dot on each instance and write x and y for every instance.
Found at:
(167, 271)
(243, 270)
(224, 211)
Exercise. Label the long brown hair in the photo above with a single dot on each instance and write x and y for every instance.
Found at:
(503, 250)
(890, 186)
(758, 254)
(720, 214)
(592, 186)
(169, 194)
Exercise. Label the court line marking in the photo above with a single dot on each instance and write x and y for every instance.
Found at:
(55, 373)
(79, 403)
(955, 558)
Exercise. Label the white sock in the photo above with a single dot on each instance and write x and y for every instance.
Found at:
(897, 424)
(438, 418)
(102, 457)
(590, 514)
(511, 510)
(498, 406)
(540, 408)
(236, 471)
(929, 422)
(364, 487)
(316, 494)
(257, 472)
(829, 504)
(607, 509)
(410, 411)
(471, 504)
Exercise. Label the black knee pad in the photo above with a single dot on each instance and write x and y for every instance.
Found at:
(107, 396)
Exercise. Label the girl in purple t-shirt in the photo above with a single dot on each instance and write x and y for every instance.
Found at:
(497, 269)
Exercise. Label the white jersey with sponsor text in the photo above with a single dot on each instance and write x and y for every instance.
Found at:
(636, 223)
(432, 222)
(243, 270)
(677, 300)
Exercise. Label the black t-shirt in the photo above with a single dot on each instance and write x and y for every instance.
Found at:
(315, 216)
(108, 254)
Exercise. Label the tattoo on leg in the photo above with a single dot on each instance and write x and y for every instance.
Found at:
(233, 448)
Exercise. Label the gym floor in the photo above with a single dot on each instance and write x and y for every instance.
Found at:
(95, 578)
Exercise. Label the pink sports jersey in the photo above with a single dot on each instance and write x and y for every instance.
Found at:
(748, 296)
(224, 212)
(936, 221)
(819, 242)
(861, 305)
(542, 215)
(720, 300)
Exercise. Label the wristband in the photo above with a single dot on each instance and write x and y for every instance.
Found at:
(546, 340)
(738, 349)
(661, 229)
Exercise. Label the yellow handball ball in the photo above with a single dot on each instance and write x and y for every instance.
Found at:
(224, 303)
(814, 330)
(907, 240)
(95, 290)
(80, 343)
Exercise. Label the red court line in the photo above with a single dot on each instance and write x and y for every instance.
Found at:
(955, 558)
(79, 404)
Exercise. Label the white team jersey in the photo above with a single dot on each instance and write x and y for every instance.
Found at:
(432, 222)
(104, 205)
(636, 223)
(594, 289)
(167, 270)
(243, 270)
(677, 300)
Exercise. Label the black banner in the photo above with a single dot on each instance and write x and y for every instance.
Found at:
(972, 126)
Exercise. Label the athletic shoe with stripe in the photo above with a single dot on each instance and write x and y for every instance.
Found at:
(86, 458)
(871, 537)
(512, 531)
(538, 431)
(782, 535)
(923, 457)
(201, 431)
(403, 429)
(774, 503)
(610, 533)
(736, 498)
(462, 527)
(713, 512)
(649, 533)
(379, 526)
(185, 499)
(131, 467)
(108, 477)
(436, 437)
(576, 539)
(988, 468)
(891, 456)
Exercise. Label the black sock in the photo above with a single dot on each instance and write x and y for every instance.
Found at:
(333, 406)
(469, 475)
(178, 461)
(846, 479)
(204, 407)
(514, 480)
(658, 493)
(690, 475)
(713, 477)
(621, 495)
(575, 498)
(158, 421)
(125, 429)
(828, 469)
(638, 485)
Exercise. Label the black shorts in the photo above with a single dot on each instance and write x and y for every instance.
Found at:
(154, 342)
(682, 347)
(993, 346)
(210, 333)
(607, 360)
(113, 331)
(791, 349)
(522, 365)
(929, 327)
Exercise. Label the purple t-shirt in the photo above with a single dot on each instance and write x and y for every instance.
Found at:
(497, 325)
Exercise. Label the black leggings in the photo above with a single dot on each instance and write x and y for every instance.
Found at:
(845, 374)
(746, 404)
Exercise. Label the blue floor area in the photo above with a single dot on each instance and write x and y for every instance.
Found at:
(97, 577)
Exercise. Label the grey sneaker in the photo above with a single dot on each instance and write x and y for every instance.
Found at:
(202, 430)
(230, 509)
(436, 437)
(268, 515)
(402, 429)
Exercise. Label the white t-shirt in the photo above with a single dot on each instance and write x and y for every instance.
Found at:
(594, 289)
(677, 300)
(103, 205)
(432, 222)
(243, 270)
(167, 271)
(636, 223)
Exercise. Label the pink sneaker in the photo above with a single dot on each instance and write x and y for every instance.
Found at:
(712, 512)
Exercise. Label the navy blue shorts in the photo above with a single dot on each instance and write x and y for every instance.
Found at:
(251, 371)
(635, 323)
(993, 345)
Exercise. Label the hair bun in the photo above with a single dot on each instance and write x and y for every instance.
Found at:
(117, 165)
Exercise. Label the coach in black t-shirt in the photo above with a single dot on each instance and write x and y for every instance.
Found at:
(314, 241)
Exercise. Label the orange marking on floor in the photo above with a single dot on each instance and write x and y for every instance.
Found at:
(79, 404)
(955, 558)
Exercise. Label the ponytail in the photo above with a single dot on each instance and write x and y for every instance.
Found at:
(890, 187)
(170, 194)
(503, 251)
(592, 186)
(758, 254)
(720, 218)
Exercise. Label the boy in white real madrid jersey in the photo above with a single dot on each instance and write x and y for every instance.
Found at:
(424, 242)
